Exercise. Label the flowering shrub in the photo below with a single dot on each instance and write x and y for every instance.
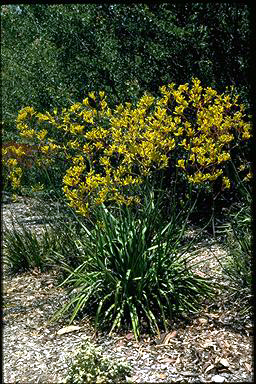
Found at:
(12, 154)
(108, 152)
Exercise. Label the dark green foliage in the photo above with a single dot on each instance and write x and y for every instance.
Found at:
(25, 249)
(134, 270)
(239, 238)
(58, 238)
(238, 244)
(55, 54)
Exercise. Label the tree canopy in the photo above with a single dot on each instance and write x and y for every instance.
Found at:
(54, 54)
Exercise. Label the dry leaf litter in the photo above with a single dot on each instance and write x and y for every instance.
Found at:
(214, 346)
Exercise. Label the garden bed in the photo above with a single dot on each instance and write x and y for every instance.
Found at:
(213, 346)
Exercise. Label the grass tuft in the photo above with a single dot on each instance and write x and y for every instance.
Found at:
(133, 274)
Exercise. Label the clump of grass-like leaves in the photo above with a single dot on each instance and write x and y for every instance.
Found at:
(54, 237)
(25, 249)
(238, 267)
(134, 274)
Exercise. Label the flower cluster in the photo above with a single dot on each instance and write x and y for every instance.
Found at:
(110, 151)
(13, 154)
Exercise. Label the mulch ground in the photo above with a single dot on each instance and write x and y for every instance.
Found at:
(213, 346)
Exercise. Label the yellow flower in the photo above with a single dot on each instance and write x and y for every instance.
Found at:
(241, 168)
(53, 146)
(248, 176)
(76, 128)
(92, 95)
(75, 107)
(192, 157)
(246, 135)
(73, 144)
(15, 182)
(223, 157)
(79, 160)
(21, 116)
(41, 135)
(29, 133)
(225, 182)
(179, 109)
(98, 145)
(123, 145)
(104, 161)
(181, 164)
(86, 102)
(86, 148)
(146, 101)
(12, 162)
(24, 112)
(103, 104)
(45, 148)
(42, 117)
(225, 138)
(177, 119)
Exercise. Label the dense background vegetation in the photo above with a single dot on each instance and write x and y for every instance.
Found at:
(53, 55)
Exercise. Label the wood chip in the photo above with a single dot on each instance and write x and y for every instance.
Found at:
(218, 379)
(211, 367)
(70, 328)
(224, 362)
(169, 336)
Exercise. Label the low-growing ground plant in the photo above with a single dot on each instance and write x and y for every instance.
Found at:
(238, 244)
(56, 237)
(89, 365)
(25, 249)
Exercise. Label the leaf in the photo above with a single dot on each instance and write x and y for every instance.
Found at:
(69, 328)
(169, 336)
(167, 360)
(224, 362)
(248, 367)
(202, 320)
(129, 336)
(209, 368)
(162, 375)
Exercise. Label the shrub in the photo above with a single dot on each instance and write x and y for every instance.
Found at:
(108, 152)
(26, 169)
